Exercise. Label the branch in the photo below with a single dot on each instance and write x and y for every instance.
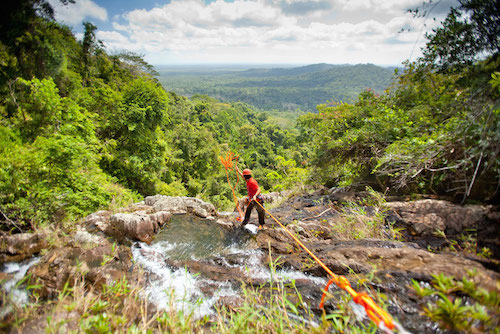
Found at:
(317, 215)
(10, 221)
(475, 174)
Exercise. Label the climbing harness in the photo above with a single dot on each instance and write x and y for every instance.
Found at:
(228, 165)
(382, 319)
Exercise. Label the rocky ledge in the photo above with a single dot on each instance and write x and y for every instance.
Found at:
(141, 221)
(100, 250)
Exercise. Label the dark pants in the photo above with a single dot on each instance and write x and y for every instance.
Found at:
(260, 211)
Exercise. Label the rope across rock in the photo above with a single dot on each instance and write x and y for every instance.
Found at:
(382, 319)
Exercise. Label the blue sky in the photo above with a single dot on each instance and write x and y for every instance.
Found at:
(257, 31)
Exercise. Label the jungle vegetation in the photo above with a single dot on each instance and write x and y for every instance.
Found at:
(82, 129)
(282, 89)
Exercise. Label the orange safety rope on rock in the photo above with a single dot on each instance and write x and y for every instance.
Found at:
(228, 165)
(381, 318)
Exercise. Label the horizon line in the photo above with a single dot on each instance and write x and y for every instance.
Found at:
(273, 64)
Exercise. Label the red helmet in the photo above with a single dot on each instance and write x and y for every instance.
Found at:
(247, 172)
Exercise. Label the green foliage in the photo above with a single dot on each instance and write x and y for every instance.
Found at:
(135, 148)
(81, 130)
(431, 132)
(460, 305)
(55, 178)
(287, 175)
(469, 32)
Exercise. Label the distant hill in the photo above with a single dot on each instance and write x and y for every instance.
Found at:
(288, 71)
(280, 88)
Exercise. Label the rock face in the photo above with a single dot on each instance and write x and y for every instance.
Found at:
(180, 205)
(132, 226)
(141, 221)
(424, 217)
(21, 246)
(93, 256)
(420, 220)
(101, 264)
(382, 257)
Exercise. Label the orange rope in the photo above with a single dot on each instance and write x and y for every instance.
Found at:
(377, 314)
(324, 293)
(228, 165)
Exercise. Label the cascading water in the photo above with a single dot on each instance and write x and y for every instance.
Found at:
(15, 272)
(189, 240)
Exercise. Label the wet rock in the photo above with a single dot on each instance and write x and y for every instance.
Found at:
(277, 240)
(18, 247)
(424, 217)
(213, 272)
(4, 276)
(98, 266)
(226, 223)
(231, 302)
(406, 261)
(160, 218)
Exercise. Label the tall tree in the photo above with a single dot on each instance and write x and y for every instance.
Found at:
(90, 45)
(470, 32)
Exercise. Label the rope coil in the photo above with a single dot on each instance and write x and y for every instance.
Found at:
(227, 162)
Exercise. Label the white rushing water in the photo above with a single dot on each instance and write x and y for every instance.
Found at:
(16, 271)
(169, 287)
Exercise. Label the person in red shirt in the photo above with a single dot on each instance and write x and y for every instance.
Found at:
(253, 190)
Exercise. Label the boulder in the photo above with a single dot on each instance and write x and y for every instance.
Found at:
(83, 237)
(422, 218)
(18, 247)
(97, 221)
(137, 222)
(132, 226)
(160, 218)
(178, 204)
(99, 265)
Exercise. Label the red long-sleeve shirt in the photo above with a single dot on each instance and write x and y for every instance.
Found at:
(252, 187)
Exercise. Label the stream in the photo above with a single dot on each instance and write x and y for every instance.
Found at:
(188, 241)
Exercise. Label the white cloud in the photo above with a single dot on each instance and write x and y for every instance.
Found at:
(73, 14)
(269, 31)
(395, 6)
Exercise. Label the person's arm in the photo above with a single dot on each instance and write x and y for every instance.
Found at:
(256, 194)
(238, 170)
